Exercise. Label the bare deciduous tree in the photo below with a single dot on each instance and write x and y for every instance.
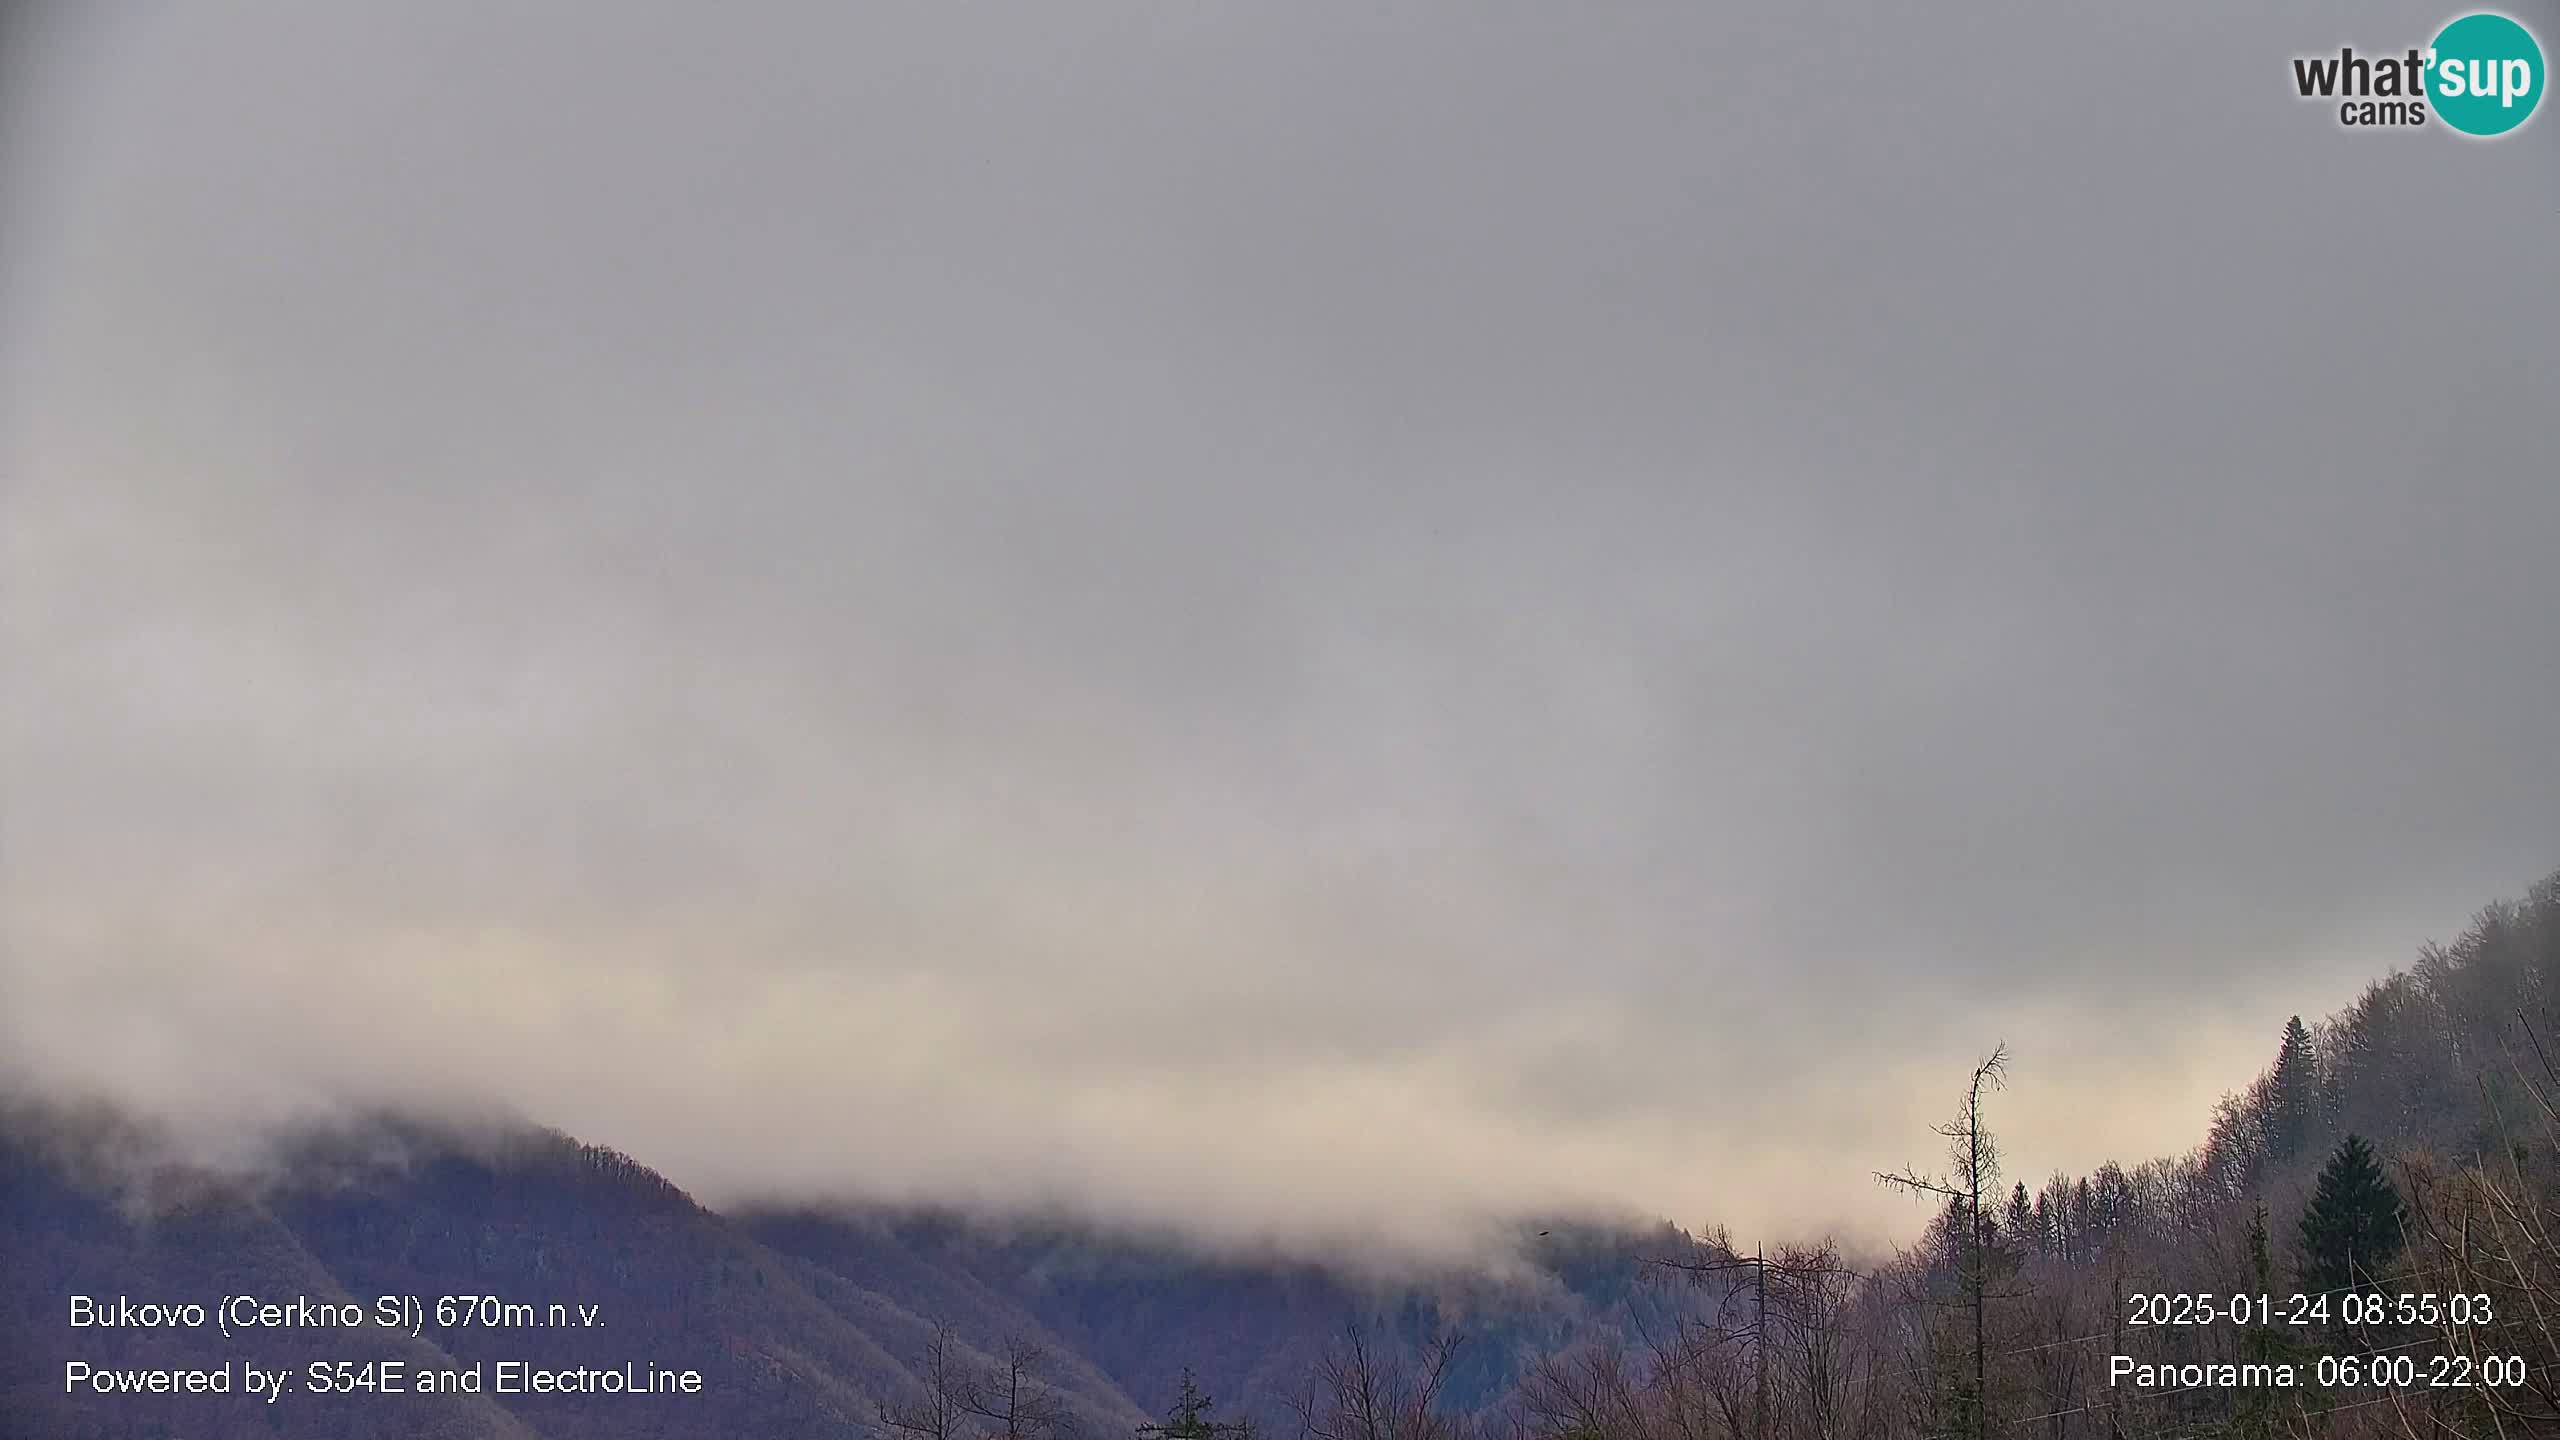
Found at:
(1016, 1399)
(1362, 1391)
(943, 1411)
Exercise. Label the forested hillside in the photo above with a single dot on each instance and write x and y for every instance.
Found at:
(800, 1324)
(2406, 1147)
(2390, 1184)
(1144, 1310)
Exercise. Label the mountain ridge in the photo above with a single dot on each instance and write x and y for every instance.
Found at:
(796, 1317)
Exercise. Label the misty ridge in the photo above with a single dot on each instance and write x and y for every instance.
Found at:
(859, 1317)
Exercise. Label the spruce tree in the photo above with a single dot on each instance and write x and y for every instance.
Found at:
(2351, 1232)
(1189, 1418)
(2296, 1093)
(2258, 1346)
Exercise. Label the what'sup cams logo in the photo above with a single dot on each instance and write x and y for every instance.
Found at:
(2482, 75)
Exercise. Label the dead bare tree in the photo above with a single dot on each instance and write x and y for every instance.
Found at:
(1360, 1391)
(944, 1411)
(1807, 1328)
(1788, 1360)
(1596, 1392)
(1975, 1160)
(1016, 1399)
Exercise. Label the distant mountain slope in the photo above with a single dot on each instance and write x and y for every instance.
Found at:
(71, 1224)
(1141, 1310)
(393, 1208)
(799, 1322)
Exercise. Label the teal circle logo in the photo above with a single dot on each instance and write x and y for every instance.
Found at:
(2484, 74)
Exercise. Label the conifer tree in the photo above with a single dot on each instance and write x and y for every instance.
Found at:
(1189, 1418)
(2295, 1097)
(2256, 1419)
(2350, 1233)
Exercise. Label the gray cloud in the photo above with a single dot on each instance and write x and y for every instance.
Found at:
(1308, 621)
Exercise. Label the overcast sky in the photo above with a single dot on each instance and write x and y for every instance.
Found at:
(1305, 618)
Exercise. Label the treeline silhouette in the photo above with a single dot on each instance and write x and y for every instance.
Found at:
(2365, 1243)
(2397, 1166)
(2407, 1146)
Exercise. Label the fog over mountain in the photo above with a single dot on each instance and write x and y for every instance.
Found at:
(1294, 623)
